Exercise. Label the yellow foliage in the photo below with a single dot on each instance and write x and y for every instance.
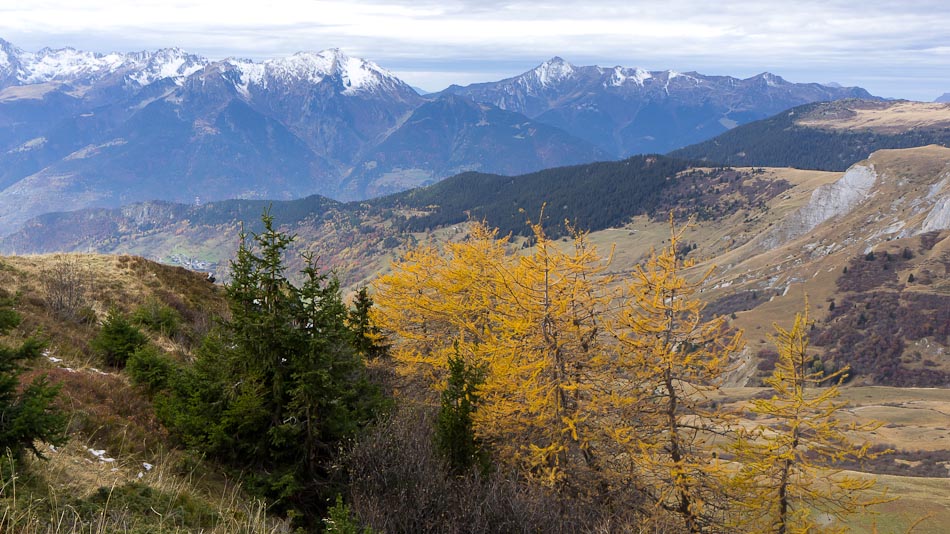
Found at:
(584, 383)
(787, 461)
(532, 321)
(659, 417)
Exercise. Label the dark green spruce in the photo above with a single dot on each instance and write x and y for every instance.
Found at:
(27, 413)
(454, 434)
(276, 388)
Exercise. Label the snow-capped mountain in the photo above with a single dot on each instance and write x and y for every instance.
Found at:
(631, 110)
(81, 129)
(354, 74)
(337, 104)
(78, 68)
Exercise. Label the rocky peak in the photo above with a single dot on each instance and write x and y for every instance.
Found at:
(769, 79)
(553, 70)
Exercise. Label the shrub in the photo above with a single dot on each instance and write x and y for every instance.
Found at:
(66, 285)
(338, 520)
(157, 317)
(117, 339)
(396, 462)
(150, 368)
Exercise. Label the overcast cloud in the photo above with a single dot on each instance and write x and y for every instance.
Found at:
(896, 49)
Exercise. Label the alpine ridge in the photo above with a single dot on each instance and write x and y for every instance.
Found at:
(629, 111)
(84, 129)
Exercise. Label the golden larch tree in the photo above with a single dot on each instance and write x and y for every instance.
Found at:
(658, 412)
(787, 461)
(531, 321)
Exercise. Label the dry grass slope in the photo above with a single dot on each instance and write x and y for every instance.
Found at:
(118, 473)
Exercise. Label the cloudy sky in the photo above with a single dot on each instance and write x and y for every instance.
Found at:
(894, 49)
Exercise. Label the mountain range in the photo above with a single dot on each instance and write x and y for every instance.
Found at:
(81, 129)
(630, 111)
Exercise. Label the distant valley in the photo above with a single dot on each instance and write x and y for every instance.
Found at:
(775, 234)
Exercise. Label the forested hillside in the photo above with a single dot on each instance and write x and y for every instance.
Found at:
(358, 238)
(780, 141)
(592, 196)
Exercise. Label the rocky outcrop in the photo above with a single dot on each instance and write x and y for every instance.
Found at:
(828, 201)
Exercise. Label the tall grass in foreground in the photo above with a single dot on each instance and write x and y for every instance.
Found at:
(54, 497)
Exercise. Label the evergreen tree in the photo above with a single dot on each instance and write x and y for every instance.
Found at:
(454, 432)
(367, 338)
(27, 415)
(275, 388)
(118, 339)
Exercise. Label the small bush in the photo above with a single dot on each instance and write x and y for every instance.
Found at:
(158, 318)
(149, 368)
(339, 521)
(117, 339)
(66, 286)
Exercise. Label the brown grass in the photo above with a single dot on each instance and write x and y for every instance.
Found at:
(898, 117)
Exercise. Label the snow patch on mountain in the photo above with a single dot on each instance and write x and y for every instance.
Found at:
(83, 69)
(68, 65)
(249, 73)
(771, 80)
(305, 66)
(355, 74)
(620, 75)
(361, 75)
(172, 63)
(144, 68)
(65, 64)
(553, 70)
